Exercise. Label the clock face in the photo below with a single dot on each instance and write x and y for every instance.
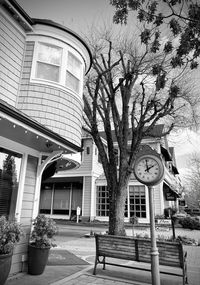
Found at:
(149, 170)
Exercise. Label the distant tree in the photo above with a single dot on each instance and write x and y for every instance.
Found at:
(177, 20)
(9, 184)
(192, 181)
(9, 168)
(131, 88)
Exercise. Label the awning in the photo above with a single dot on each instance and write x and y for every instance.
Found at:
(175, 170)
(62, 164)
(166, 154)
(170, 193)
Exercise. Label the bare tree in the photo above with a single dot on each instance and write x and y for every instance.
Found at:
(129, 90)
(192, 181)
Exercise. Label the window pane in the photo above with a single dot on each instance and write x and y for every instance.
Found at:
(47, 71)
(10, 164)
(49, 54)
(137, 201)
(72, 82)
(74, 65)
(102, 201)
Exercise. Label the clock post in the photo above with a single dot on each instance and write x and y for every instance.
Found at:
(155, 274)
(149, 170)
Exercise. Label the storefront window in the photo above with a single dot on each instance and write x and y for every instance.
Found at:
(102, 201)
(61, 201)
(10, 163)
(137, 201)
(61, 198)
(45, 199)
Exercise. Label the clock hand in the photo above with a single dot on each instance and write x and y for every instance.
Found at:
(151, 166)
(147, 167)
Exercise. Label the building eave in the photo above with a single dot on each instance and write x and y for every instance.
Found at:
(26, 120)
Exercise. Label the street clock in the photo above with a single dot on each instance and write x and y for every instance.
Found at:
(148, 167)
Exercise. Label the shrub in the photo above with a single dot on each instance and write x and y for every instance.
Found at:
(44, 228)
(10, 233)
(190, 223)
(134, 220)
(187, 241)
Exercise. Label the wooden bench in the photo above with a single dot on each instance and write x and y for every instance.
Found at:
(171, 253)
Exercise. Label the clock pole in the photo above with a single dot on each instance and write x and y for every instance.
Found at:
(155, 274)
(149, 170)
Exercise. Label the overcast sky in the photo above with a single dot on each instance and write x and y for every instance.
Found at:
(80, 14)
(75, 14)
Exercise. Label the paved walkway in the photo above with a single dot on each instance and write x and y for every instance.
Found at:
(82, 274)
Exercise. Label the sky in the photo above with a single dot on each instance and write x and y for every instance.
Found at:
(75, 14)
(79, 15)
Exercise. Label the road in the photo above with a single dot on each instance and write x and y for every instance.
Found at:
(72, 237)
(67, 232)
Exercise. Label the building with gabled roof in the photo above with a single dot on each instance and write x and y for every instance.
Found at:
(86, 187)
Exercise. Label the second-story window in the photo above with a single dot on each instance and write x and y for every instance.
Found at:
(73, 74)
(56, 63)
(49, 62)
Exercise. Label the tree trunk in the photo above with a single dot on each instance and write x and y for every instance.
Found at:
(116, 210)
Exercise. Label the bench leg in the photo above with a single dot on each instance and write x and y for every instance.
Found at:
(185, 273)
(185, 277)
(104, 264)
(95, 265)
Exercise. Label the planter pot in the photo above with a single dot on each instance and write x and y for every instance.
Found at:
(5, 265)
(37, 259)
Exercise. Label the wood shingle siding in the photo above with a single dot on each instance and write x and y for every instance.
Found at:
(53, 107)
(12, 43)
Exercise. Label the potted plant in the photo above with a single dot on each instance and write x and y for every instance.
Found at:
(41, 240)
(10, 233)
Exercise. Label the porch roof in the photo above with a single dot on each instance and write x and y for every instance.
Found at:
(17, 126)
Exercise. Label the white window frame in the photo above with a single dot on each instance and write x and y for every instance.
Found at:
(49, 63)
(129, 197)
(63, 68)
(99, 202)
(68, 71)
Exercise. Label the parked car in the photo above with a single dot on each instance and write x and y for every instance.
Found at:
(192, 212)
(180, 215)
(196, 212)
